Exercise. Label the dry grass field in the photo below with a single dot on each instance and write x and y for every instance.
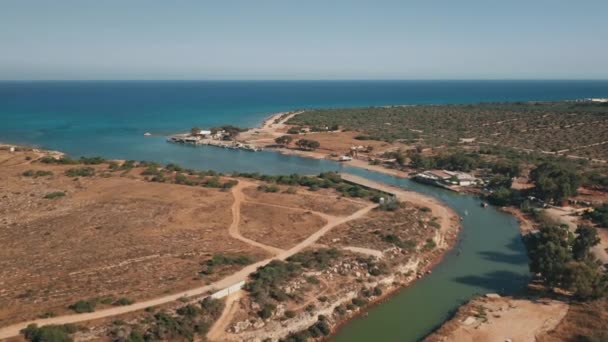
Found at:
(115, 234)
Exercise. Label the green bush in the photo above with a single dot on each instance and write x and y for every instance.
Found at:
(80, 172)
(83, 306)
(49, 333)
(55, 194)
(123, 301)
(38, 173)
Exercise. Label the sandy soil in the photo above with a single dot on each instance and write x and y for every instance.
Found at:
(500, 319)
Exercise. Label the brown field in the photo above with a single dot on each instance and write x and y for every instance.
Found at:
(583, 322)
(113, 236)
(324, 201)
(287, 229)
(117, 235)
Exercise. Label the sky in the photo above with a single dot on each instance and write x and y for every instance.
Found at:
(311, 39)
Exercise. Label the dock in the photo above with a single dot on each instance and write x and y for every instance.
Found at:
(194, 140)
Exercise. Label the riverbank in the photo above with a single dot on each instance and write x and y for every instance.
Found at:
(495, 318)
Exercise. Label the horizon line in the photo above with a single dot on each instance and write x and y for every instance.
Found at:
(313, 80)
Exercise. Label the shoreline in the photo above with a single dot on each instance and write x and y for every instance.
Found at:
(270, 121)
(396, 290)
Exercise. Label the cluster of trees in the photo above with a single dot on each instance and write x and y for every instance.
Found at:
(562, 259)
(554, 182)
(284, 140)
(306, 144)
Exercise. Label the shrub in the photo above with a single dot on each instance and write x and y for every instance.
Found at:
(358, 301)
(123, 301)
(290, 314)
(39, 173)
(91, 160)
(82, 306)
(80, 172)
(266, 311)
(49, 333)
(55, 194)
(268, 188)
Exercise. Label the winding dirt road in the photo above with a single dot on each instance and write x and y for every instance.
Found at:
(241, 275)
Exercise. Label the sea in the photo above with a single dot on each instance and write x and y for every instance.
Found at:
(109, 118)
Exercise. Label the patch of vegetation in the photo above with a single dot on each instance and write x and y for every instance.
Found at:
(407, 245)
(284, 140)
(268, 188)
(188, 322)
(38, 173)
(59, 161)
(80, 172)
(318, 259)
(91, 160)
(123, 301)
(269, 278)
(563, 260)
(83, 306)
(225, 260)
(554, 182)
(599, 215)
(533, 125)
(49, 333)
(307, 144)
(55, 194)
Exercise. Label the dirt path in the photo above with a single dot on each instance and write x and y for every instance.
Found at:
(241, 275)
(233, 230)
(217, 331)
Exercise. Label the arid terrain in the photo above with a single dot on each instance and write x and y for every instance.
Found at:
(502, 319)
(88, 241)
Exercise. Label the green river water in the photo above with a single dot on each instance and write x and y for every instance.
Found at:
(488, 258)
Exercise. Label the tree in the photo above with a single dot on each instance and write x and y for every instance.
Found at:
(283, 140)
(554, 182)
(195, 131)
(563, 261)
(549, 252)
(586, 237)
(306, 144)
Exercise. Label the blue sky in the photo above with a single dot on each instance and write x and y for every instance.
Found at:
(283, 39)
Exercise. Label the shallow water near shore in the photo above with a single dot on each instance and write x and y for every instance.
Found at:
(109, 118)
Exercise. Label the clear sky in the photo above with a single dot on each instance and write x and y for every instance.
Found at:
(304, 39)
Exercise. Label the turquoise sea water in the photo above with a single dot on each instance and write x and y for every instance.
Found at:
(109, 118)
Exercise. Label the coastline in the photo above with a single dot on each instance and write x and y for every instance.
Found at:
(269, 126)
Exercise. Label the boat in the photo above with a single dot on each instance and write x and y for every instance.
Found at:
(484, 204)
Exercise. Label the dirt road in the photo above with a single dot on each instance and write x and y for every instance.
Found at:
(13, 330)
(233, 230)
